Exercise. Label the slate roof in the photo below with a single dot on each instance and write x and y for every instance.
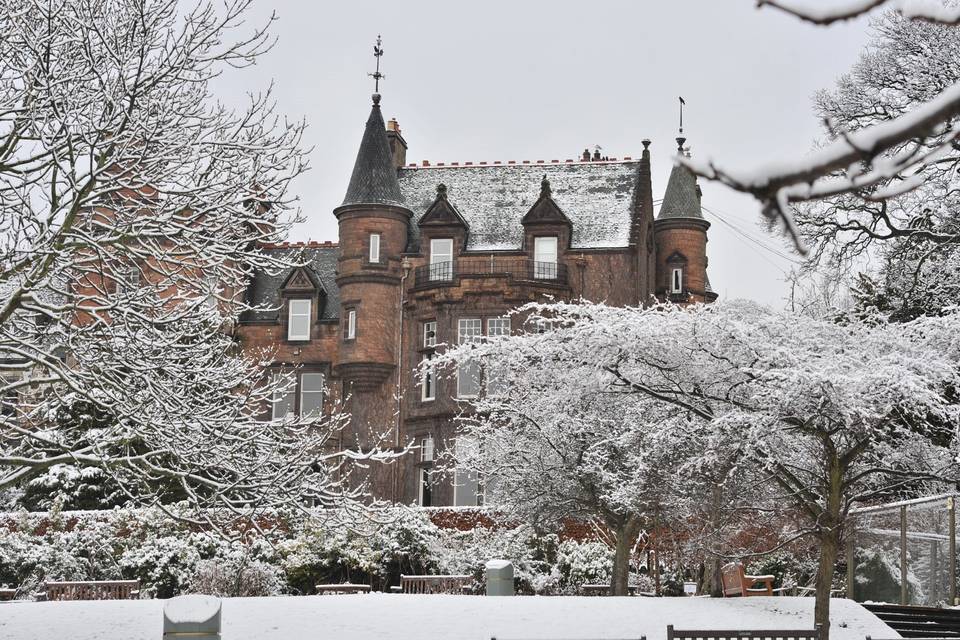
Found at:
(374, 178)
(597, 197)
(321, 262)
(682, 197)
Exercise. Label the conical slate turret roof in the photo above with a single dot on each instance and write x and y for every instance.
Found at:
(682, 198)
(374, 179)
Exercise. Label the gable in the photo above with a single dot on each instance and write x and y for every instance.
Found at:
(300, 279)
(545, 210)
(442, 213)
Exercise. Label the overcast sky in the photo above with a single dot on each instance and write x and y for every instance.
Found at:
(537, 80)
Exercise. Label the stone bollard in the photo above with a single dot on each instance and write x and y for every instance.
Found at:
(499, 578)
(192, 616)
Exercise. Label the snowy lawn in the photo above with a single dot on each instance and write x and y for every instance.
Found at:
(411, 617)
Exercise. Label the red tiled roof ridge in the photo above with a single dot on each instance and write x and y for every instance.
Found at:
(309, 244)
(427, 164)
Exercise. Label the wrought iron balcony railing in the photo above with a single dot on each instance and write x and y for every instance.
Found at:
(440, 274)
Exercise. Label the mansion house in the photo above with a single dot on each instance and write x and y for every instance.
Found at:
(439, 253)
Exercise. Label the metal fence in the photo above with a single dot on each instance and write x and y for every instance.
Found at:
(441, 274)
(904, 552)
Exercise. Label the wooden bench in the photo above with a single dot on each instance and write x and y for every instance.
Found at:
(6, 595)
(435, 584)
(737, 583)
(602, 590)
(338, 589)
(741, 634)
(93, 590)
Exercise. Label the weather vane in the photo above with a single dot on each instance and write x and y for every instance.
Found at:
(682, 102)
(376, 75)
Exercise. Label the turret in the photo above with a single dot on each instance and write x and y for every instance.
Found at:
(373, 223)
(681, 240)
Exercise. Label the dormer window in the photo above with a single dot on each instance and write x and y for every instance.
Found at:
(374, 248)
(298, 320)
(676, 280)
(545, 257)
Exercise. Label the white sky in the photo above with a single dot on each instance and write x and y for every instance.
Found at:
(538, 80)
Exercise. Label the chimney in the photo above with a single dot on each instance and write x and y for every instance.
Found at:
(398, 146)
(586, 155)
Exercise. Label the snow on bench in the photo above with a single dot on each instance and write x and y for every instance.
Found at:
(93, 590)
(740, 634)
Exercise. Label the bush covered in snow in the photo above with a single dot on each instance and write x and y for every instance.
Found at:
(375, 548)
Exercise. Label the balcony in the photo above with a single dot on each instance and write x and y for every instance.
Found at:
(447, 274)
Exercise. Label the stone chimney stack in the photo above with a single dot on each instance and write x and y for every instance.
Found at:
(398, 146)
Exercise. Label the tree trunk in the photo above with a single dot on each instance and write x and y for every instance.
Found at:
(829, 548)
(625, 536)
(830, 530)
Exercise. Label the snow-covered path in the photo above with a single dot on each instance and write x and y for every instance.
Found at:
(405, 617)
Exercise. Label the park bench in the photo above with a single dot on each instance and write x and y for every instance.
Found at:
(435, 584)
(339, 589)
(6, 595)
(737, 583)
(743, 634)
(602, 590)
(92, 590)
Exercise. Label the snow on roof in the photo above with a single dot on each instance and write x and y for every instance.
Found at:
(414, 617)
(321, 259)
(596, 196)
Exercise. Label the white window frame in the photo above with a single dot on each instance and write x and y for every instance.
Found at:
(469, 330)
(427, 451)
(351, 325)
(441, 259)
(423, 478)
(304, 391)
(127, 280)
(211, 280)
(275, 402)
(546, 251)
(374, 247)
(294, 313)
(676, 280)
(498, 326)
(428, 383)
(544, 326)
(463, 478)
(430, 333)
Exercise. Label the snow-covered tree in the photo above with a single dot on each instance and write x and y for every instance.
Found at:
(891, 128)
(909, 241)
(132, 210)
(555, 436)
(823, 415)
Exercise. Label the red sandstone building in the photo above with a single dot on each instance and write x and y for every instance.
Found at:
(433, 254)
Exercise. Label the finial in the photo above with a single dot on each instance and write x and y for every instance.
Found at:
(376, 75)
(680, 141)
(442, 191)
(646, 143)
(544, 187)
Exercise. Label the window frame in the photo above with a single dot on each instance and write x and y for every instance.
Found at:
(373, 253)
(676, 280)
(428, 383)
(427, 444)
(290, 393)
(546, 269)
(499, 319)
(291, 303)
(424, 481)
(428, 327)
(462, 339)
(437, 272)
(350, 326)
(301, 391)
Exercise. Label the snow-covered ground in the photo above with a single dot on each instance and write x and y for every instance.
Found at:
(407, 617)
